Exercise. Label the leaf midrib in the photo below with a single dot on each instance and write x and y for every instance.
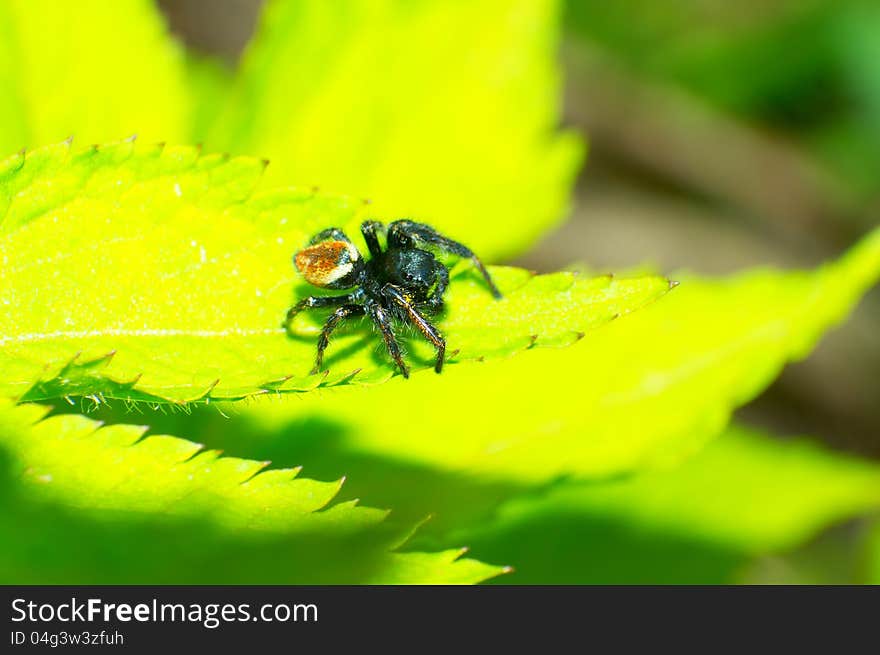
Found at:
(144, 332)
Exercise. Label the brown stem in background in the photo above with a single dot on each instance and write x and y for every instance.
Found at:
(678, 137)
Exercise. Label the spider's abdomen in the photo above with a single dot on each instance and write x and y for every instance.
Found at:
(330, 264)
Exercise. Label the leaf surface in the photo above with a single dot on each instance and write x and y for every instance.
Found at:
(638, 393)
(97, 70)
(377, 99)
(746, 494)
(149, 272)
(874, 555)
(112, 486)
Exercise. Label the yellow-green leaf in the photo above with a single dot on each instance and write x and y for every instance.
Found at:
(97, 70)
(442, 110)
(874, 555)
(178, 513)
(637, 393)
(149, 272)
(745, 494)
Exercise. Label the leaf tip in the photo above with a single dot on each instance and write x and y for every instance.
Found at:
(134, 380)
(673, 283)
(348, 377)
(130, 139)
(274, 385)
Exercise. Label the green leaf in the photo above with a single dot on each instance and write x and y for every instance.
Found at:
(157, 273)
(745, 489)
(97, 70)
(209, 81)
(375, 98)
(743, 495)
(206, 509)
(638, 393)
(874, 555)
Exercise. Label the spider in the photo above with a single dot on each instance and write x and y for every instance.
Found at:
(403, 283)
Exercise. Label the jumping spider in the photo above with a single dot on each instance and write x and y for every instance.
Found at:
(401, 283)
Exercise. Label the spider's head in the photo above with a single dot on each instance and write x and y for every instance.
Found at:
(414, 270)
(330, 264)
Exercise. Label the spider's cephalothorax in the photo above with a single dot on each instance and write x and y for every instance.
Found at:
(402, 283)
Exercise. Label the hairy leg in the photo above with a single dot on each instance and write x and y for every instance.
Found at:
(435, 301)
(431, 333)
(313, 302)
(371, 230)
(383, 320)
(330, 234)
(405, 234)
(336, 317)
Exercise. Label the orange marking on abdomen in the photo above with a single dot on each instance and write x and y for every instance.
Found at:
(324, 262)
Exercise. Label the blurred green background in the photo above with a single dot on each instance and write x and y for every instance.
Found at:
(722, 136)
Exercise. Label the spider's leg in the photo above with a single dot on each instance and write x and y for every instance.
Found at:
(435, 300)
(402, 234)
(343, 312)
(371, 230)
(383, 320)
(318, 301)
(330, 234)
(431, 333)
